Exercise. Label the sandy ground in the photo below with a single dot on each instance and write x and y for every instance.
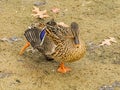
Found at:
(100, 68)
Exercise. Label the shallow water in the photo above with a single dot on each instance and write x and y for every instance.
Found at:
(99, 69)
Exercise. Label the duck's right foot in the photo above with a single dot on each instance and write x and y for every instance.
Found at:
(24, 47)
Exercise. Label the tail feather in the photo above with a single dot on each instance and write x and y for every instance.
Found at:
(32, 35)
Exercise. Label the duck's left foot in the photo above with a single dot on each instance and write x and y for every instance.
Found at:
(24, 47)
(63, 69)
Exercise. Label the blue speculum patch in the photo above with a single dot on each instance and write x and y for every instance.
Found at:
(42, 34)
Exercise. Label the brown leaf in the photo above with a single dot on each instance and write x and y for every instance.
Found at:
(108, 41)
(55, 10)
(39, 14)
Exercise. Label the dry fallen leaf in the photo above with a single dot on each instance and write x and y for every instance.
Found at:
(62, 24)
(108, 41)
(39, 14)
(55, 10)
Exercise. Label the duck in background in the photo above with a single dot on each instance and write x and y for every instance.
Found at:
(54, 41)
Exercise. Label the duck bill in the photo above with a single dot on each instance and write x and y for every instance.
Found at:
(76, 41)
(75, 32)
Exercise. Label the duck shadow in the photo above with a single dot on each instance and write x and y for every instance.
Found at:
(38, 61)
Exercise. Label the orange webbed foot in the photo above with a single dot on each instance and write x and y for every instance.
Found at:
(24, 47)
(63, 69)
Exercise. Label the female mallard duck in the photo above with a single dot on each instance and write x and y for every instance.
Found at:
(57, 42)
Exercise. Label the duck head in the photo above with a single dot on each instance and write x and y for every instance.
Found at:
(52, 22)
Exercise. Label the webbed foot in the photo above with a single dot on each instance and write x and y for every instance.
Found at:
(63, 69)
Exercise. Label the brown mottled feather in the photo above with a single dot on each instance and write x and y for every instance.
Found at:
(61, 43)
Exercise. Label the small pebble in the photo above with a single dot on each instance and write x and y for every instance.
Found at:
(3, 75)
(110, 87)
(11, 39)
(19, 60)
(38, 3)
(53, 70)
(116, 84)
(106, 88)
(18, 81)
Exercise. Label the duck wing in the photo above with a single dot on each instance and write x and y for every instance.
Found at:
(35, 36)
(58, 32)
